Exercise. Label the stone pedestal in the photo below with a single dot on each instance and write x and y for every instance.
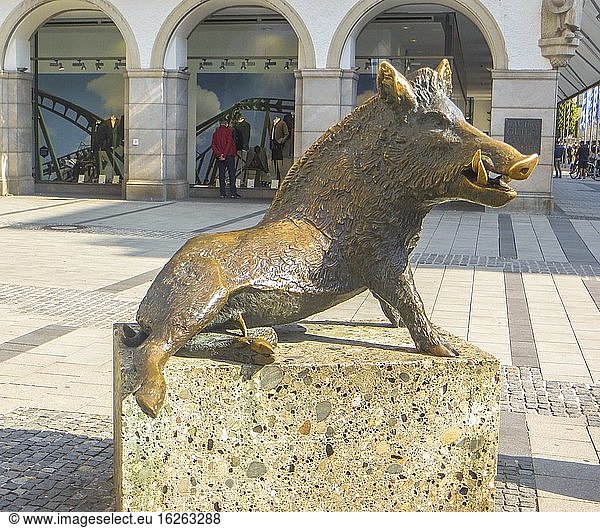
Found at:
(347, 418)
(156, 113)
(16, 133)
(323, 98)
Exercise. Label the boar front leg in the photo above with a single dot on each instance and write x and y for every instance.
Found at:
(396, 288)
(389, 311)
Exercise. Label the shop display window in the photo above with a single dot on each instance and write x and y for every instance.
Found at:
(78, 102)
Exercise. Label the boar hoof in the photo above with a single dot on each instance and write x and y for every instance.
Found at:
(151, 395)
(261, 346)
(441, 350)
(256, 344)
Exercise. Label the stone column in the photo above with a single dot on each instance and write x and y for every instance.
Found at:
(528, 94)
(323, 97)
(156, 135)
(16, 133)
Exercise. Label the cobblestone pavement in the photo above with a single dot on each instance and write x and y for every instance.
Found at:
(69, 307)
(524, 287)
(507, 264)
(57, 461)
(102, 230)
(515, 485)
(524, 390)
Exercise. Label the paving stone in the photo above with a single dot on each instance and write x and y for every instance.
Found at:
(562, 398)
(50, 488)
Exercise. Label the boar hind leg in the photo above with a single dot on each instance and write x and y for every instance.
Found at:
(401, 294)
(199, 303)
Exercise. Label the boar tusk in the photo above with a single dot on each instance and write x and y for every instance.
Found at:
(482, 175)
(476, 161)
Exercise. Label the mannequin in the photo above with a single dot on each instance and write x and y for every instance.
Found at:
(289, 148)
(112, 123)
(279, 135)
(108, 136)
(241, 134)
(97, 148)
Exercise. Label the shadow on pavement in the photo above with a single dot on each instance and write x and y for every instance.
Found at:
(55, 471)
(561, 477)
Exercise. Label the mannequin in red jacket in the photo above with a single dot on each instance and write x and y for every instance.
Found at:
(223, 147)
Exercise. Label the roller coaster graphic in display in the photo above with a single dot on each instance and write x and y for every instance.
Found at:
(205, 160)
(62, 167)
(85, 120)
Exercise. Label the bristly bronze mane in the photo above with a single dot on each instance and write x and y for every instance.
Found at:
(338, 174)
(427, 84)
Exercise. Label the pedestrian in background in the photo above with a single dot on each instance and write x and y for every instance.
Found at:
(559, 152)
(225, 151)
(572, 152)
(581, 160)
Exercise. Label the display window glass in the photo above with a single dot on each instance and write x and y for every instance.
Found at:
(78, 103)
(243, 63)
(254, 104)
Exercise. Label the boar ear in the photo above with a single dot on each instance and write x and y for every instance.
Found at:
(394, 87)
(445, 76)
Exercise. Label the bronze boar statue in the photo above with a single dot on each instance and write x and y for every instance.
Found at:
(345, 219)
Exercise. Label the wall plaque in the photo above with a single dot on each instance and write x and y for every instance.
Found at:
(524, 134)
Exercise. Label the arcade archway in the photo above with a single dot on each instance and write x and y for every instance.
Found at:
(241, 61)
(71, 55)
(342, 49)
(419, 35)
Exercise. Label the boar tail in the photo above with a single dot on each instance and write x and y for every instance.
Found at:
(131, 338)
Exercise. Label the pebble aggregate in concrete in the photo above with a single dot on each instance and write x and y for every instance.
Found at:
(67, 466)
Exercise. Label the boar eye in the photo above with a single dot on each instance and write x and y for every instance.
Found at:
(437, 120)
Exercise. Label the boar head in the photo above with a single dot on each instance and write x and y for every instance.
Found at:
(451, 159)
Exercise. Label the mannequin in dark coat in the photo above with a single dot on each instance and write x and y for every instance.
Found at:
(106, 137)
(241, 130)
(288, 151)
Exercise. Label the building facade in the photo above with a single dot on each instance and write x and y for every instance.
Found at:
(176, 62)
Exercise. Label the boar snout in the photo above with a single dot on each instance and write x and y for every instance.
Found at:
(477, 183)
(521, 170)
